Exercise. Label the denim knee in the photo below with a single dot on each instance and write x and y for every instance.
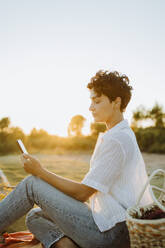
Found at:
(31, 216)
(29, 178)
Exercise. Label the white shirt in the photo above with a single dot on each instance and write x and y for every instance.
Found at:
(118, 172)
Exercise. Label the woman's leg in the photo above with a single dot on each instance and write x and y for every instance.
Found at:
(73, 217)
(42, 227)
(49, 233)
(39, 223)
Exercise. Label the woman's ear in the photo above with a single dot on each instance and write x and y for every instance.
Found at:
(118, 102)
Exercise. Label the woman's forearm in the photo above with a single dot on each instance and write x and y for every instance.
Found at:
(67, 186)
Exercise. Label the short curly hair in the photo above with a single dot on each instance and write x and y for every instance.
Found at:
(113, 85)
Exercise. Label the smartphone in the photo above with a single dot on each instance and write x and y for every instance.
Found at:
(21, 146)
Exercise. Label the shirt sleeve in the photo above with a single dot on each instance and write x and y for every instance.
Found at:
(106, 166)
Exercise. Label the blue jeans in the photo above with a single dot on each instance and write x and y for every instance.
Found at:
(58, 215)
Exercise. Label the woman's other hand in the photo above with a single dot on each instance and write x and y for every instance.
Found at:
(31, 165)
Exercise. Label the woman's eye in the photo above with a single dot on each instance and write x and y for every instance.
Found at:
(97, 102)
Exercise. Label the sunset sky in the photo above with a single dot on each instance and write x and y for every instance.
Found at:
(49, 50)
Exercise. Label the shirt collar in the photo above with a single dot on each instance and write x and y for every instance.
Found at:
(122, 124)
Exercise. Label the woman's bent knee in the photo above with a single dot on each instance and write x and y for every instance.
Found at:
(31, 216)
(29, 178)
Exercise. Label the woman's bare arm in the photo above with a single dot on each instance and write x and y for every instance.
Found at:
(72, 188)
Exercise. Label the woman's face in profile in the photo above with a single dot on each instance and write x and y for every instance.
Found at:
(102, 109)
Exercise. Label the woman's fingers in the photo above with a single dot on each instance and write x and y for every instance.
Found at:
(25, 158)
(26, 155)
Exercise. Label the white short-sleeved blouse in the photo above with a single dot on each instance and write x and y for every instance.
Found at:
(118, 172)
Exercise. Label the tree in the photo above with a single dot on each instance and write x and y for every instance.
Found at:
(155, 114)
(38, 133)
(4, 123)
(75, 126)
(17, 133)
(39, 139)
(97, 127)
(139, 115)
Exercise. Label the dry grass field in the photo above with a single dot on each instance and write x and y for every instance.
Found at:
(73, 166)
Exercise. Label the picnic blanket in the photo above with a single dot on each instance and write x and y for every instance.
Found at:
(23, 239)
(20, 239)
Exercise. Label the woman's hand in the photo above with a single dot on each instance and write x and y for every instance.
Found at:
(31, 165)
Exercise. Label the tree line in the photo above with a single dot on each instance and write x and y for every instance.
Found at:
(150, 138)
(39, 140)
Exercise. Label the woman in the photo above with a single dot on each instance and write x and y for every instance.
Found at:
(116, 177)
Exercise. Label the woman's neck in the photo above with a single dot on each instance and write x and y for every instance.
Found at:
(114, 121)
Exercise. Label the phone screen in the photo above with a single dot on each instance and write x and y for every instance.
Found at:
(21, 146)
